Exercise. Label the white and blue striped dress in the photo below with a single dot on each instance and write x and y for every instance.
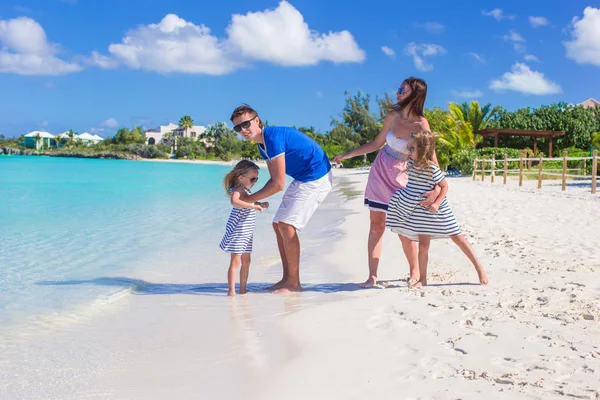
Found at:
(239, 231)
(406, 217)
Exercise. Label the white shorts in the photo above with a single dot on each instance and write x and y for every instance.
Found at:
(301, 200)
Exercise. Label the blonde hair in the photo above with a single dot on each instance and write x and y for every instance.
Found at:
(231, 179)
(424, 142)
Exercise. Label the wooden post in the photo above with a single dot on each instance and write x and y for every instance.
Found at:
(521, 170)
(475, 168)
(493, 167)
(505, 168)
(540, 173)
(534, 146)
(550, 146)
(482, 169)
(564, 177)
(496, 140)
(594, 169)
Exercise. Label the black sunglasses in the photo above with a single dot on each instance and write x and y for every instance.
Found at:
(243, 125)
(400, 90)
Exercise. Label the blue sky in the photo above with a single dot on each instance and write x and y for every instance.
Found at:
(96, 65)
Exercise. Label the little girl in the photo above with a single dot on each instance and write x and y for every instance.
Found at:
(239, 231)
(408, 218)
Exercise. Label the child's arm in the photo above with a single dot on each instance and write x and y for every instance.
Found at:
(443, 191)
(236, 201)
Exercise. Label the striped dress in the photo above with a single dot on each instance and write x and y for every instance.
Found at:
(407, 218)
(239, 231)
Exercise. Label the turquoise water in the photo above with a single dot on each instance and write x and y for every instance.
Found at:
(64, 220)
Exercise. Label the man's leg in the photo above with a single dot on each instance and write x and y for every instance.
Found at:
(291, 252)
(283, 258)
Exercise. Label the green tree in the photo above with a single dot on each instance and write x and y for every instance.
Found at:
(186, 122)
(473, 113)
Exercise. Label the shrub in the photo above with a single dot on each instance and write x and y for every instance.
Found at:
(145, 151)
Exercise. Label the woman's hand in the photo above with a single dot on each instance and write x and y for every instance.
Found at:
(257, 207)
(339, 158)
(433, 208)
(430, 197)
(263, 204)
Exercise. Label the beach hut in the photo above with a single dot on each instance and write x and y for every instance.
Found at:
(88, 139)
(39, 140)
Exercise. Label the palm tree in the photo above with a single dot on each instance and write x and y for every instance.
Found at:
(38, 140)
(186, 122)
(473, 113)
(458, 135)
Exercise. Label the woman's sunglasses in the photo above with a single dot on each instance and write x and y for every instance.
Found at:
(253, 180)
(243, 125)
(400, 90)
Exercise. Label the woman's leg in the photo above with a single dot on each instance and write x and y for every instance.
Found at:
(466, 248)
(410, 251)
(231, 273)
(424, 241)
(376, 231)
(244, 272)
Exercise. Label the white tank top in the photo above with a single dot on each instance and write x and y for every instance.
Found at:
(398, 145)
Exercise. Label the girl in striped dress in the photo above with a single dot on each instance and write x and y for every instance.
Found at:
(239, 231)
(408, 218)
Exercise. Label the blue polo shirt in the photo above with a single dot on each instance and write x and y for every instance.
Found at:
(305, 160)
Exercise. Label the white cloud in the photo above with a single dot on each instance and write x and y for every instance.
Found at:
(523, 79)
(419, 51)
(25, 50)
(517, 40)
(431, 27)
(584, 47)
(173, 45)
(110, 123)
(96, 130)
(102, 61)
(44, 124)
(388, 51)
(477, 57)
(538, 21)
(467, 93)
(498, 14)
(530, 57)
(279, 36)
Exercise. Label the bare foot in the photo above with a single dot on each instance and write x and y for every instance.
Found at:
(288, 289)
(243, 291)
(483, 279)
(231, 294)
(276, 286)
(369, 283)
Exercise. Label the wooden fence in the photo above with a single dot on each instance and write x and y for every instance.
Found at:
(479, 166)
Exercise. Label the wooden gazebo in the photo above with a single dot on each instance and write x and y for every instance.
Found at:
(520, 132)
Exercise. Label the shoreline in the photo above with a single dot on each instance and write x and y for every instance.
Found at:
(524, 336)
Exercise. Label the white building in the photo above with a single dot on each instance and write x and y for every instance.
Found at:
(88, 139)
(155, 136)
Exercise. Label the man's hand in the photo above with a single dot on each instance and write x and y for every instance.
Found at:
(263, 204)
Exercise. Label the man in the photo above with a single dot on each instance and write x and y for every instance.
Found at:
(287, 151)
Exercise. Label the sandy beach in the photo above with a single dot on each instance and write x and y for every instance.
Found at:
(533, 333)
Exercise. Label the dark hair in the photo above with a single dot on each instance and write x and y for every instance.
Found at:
(415, 102)
(243, 109)
(240, 169)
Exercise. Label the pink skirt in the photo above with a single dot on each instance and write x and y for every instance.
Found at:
(387, 175)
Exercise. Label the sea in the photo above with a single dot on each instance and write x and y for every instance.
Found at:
(76, 232)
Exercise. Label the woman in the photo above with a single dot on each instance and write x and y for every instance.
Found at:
(388, 172)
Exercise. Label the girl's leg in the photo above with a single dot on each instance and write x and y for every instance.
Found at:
(424, 241)
(376, 231)
(466, 248)
(233, 265)
(410, 251)
(244, 272)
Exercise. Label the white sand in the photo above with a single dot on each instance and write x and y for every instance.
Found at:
(533, 333)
